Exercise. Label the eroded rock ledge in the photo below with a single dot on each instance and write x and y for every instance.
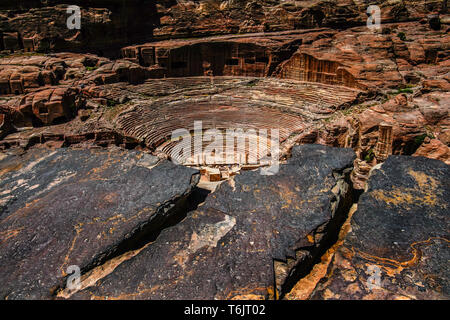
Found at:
(227, 248)
(30, 25)
(399, 235)
(72, 207)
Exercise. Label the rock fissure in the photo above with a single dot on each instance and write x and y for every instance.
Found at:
(323, 237)
(168, 215)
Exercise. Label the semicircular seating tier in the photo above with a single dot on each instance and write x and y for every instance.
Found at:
(259, 104)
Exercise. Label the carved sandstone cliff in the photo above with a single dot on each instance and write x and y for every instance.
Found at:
(204, 18)
(106, 25)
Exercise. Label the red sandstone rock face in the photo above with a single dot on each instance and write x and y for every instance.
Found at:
(4, 124)
(252, 55)
(203, 18)
(399, 126)
(109, 24)
(307, 68)
(434, 149)
(23, 74)
(356, 57)
(106, 25)
(51, 105)
(117, 71)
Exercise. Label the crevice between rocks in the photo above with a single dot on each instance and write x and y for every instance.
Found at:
(175, 210)
(169, 214)
(323, 238)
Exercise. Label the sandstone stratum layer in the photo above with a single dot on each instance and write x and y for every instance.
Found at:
(351, 204)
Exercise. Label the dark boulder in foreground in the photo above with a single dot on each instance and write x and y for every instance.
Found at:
(399, 244)
(247, 239)
(72, 207)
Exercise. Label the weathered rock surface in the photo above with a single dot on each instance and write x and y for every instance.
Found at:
(434, 149)
(55, 104)
(399, 54)
(106, 25)
(403, 126)
(399, 235)
(254, 55)
(21, 74)
(78, 207)
(203, 18)
(5, 123)
(247, 239)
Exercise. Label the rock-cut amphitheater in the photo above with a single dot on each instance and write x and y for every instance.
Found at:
(224, 149)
